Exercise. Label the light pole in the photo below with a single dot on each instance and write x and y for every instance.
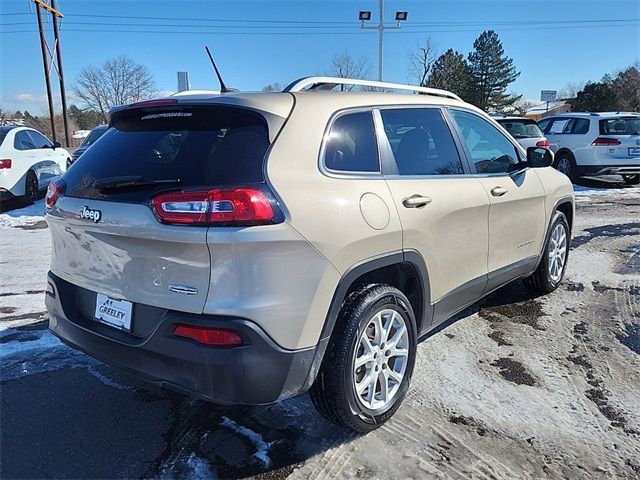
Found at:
(365, 16)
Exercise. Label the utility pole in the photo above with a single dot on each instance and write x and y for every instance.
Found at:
(48, 62)
(365, 16)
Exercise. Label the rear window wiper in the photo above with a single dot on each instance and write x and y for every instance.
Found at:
(131, 181)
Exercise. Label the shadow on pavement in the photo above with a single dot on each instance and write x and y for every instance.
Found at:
(66, 415)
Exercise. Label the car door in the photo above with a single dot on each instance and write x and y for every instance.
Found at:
(442, 208)
(517, 222)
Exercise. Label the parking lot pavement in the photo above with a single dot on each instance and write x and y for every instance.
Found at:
(516, 387)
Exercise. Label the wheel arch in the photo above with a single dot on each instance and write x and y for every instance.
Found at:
(405, 271)
(564, 151)
(566, 206)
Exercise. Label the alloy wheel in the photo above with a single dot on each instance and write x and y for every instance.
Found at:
(31, 190)
(564, 166)
(380, 359)
(557, 252)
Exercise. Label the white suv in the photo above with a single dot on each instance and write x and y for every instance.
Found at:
(606, 143)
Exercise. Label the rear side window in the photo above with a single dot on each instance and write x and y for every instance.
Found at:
(580, 126)
(22, 141)
(620, 126)
(193, 147)
(521, 128)
(421, 142)
(351, 145)
(490, 150)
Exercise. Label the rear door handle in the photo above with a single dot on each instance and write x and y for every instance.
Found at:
(498, 191)
(416, 201)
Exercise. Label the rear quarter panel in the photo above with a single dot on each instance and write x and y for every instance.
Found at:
(326, 210)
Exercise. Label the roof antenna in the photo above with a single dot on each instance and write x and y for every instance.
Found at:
(223, 87)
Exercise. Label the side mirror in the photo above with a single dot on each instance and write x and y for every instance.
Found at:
(56, 145)
(538, 157)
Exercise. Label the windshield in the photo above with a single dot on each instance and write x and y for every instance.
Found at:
(620, 126)
(521, 128)
(194, 147)
(94, 135)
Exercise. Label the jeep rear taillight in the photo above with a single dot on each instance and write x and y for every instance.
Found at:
(240, 206)
(544, 143)
(54, 191)
(604, 141)
(5, 163)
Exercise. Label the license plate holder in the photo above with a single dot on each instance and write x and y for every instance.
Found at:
(113, 312)
(634, 151)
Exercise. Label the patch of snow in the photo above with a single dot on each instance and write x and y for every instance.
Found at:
(23, 216)
(262, 447)
(39, 340)
(199, 468)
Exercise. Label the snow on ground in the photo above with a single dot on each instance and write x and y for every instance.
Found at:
(24, 261)
(517, 387)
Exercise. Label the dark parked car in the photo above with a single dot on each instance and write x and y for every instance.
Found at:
(94, 135)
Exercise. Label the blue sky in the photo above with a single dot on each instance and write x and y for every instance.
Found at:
(259, 42)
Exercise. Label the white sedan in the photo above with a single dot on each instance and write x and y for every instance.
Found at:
(28, 162)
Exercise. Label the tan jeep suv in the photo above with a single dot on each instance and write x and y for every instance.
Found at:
(247, 247)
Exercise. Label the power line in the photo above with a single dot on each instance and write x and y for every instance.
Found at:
(302, 27)
(286, 33)
(330, 22)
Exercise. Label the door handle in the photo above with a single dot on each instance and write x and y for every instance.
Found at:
(498, 191)
(416, 201)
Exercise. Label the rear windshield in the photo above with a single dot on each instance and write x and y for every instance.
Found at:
(620, 126)
(522, 128)
(178, 148)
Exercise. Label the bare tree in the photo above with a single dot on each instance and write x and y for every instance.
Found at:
(570, 90)
(272, 87)
(421, 60)
(343, 65)
(626, 85)
(522, 106)
(118, 81)
(3, 117)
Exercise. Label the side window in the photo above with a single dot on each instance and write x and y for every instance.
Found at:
(421, 142)
(39, 140)
(559, 125)
(351, 145)
(580, 126)
(23, 141)
(543, 124)
(490, 150)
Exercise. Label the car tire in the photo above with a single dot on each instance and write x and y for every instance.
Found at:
(553, 264)
(31, 187)
(337, 393)
(566, 164)
(631, 179)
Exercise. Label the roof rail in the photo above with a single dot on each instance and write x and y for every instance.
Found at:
(327, 83)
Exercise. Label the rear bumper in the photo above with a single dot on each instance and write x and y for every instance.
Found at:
(258, 372)
(595, 170)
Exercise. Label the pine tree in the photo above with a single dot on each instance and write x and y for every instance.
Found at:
(596, 97)
(451, 72)
(491, 73)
